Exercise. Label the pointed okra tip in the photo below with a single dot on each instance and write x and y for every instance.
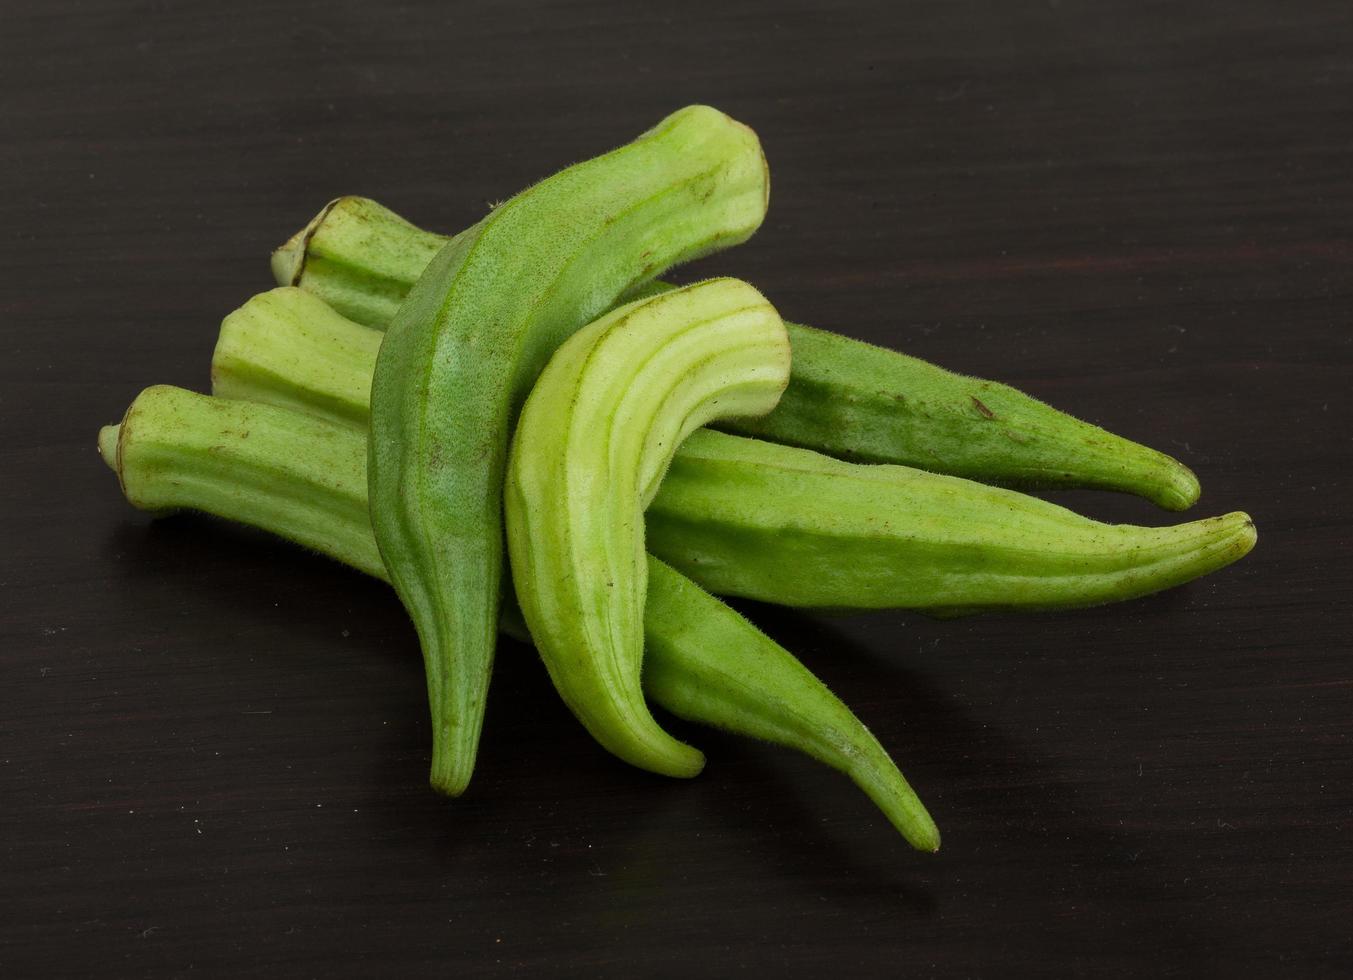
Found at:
(922, 834)
(932, 843)
(907, 813)
(452, 764)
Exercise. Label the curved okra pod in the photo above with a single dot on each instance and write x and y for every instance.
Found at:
(304, 478)
(706, 663)
(745, 517)
(470, 338)
(592, 444)
(845, 398)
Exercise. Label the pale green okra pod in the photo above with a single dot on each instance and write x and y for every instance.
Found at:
(750, 518)
(303, 478)
(845, 398)
(466, 345)
(591, 447)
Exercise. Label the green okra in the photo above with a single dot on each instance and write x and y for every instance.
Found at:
(287, 347)
(592, 444)
(744, 517)
(757, 519)
(303, 478)
(285, 471)
(706, 663)
(469, 339)
(845, 398)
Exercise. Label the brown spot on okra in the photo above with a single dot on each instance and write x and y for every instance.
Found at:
(433, 455)
(977, 404)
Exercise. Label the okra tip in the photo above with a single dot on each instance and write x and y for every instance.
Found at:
(928, 837)
(1222, 540)
(1246, 535)
(1179, 488)
(910, 818)
(877, 774)
(451, 770)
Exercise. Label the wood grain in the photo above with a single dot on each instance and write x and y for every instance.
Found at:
(213, 747)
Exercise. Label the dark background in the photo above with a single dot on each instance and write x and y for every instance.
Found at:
(213, 747)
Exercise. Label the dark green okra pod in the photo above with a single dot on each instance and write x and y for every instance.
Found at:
(845, 398)
(745, 517)
(591, 447)
(470, 338)
(304, 478)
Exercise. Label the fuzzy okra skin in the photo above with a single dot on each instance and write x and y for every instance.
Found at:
(749, 518)
(303, 478)
(757, 519)
(845, 398)
(469, 339)
(286, 336)
(291, 473)
(591, 447)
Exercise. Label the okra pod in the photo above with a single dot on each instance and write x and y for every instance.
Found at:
(745, 517)
(303, 478)
(592, 444)
(757, 519)
(467, 343)
(845, 398)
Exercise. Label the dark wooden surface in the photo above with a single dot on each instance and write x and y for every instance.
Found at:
(213, 747)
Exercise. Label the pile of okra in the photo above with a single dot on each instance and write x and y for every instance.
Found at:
(523, 430)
